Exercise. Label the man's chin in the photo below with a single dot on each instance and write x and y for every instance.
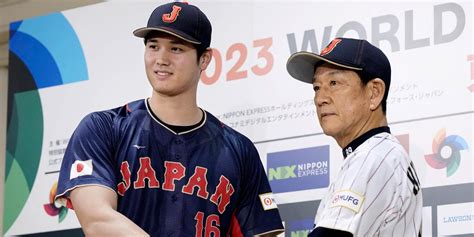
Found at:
(329, 131)
(166, 92)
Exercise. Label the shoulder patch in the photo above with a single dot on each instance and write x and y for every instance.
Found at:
(267, 200)
(347, 199)
(81, 168)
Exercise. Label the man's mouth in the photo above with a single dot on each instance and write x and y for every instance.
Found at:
(326, 114)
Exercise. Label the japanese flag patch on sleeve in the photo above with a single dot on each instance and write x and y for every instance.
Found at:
(268, 202)
(81, 168)
(347, 199)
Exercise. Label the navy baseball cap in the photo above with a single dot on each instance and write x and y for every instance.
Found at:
(182, 20)
(354, 54)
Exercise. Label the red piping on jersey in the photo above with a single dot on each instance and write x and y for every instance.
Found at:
(235, 230)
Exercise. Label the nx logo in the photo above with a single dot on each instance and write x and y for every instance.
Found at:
(284, 172)
(300, 169)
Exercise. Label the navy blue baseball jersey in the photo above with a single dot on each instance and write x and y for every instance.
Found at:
(208, 181)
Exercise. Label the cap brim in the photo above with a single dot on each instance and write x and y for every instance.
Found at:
(301, 65)
(143, 32)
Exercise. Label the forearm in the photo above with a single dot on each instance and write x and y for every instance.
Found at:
(109, 223)
(95, 207)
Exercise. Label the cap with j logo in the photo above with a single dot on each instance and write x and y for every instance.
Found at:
(182, 20)
(353, 54)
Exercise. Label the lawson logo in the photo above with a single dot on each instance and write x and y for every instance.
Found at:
(301, 169)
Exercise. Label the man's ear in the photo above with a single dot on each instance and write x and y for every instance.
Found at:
(205, 59)
(377, 90)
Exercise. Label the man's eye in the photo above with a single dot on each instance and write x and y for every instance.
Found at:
(316, 88)
(333, 83)
(176, 49)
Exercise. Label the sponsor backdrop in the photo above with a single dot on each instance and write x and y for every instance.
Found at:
(67, 64)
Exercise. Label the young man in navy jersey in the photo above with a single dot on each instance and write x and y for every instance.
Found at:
(377, 191)
(162, 166)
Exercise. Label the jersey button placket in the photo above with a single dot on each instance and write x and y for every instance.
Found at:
(178, 149)
(176, 199)
(177, 208)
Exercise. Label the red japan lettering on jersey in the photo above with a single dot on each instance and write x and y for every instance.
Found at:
(125, 184)
(198, 180)
(146, 171)
(223, 193)
(173, 171)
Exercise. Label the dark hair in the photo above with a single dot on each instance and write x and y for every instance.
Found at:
(365, 78)
(199, 49)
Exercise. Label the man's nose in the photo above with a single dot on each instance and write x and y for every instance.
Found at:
(321, 97)
(162, 57)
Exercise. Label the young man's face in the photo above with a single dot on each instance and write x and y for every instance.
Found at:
(342, 101)
(171, 64)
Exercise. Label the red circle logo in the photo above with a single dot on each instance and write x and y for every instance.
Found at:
(79, 167)
(267, 201)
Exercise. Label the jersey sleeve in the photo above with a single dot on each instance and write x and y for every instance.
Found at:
(256, 212)
(364, 197)
(88, 157)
